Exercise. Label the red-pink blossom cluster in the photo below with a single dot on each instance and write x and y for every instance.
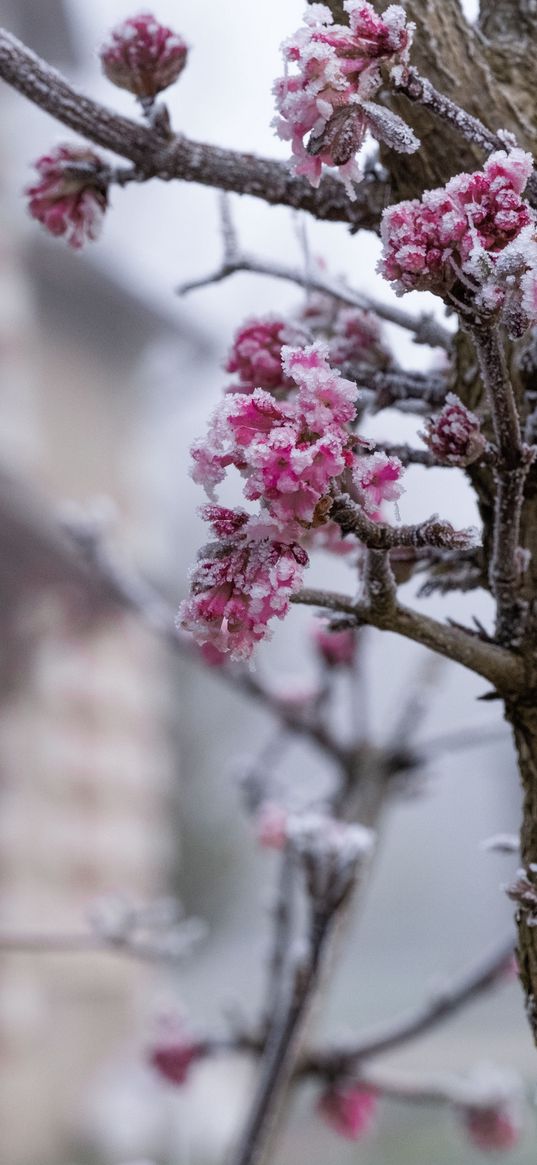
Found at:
(143, 56)
(256, 355)
(70, 197)
(328, 100)
(241, 582)
(349, 1109)
(475, 234)
(454, 436)
(288, 451)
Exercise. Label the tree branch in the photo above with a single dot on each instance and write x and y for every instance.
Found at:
(442, 1006)
(502, 668)
(158, 155)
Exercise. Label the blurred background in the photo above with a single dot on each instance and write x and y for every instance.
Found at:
(119, 764)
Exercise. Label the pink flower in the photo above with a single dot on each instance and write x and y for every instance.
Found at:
(70, 197)
(464, 227)
(143, 56)
(327, 100)
(336, 648)
(494, 1128)
(271, 826)
(240, 583)
(455, 436)
(173, 1055)
(288, 451)
(348, 1109)
(256, 355)
(377, 478)
(357, 337)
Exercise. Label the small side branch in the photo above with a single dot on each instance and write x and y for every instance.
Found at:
(489, 972)
(502, 668)
(379, 536)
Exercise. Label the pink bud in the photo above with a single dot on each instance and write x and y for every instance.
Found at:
(336, 648)
(173, 1055)
(495, 1128)
(349, 1110)
(271, 826)
(143, 56)
(455, 436)
(70, 197)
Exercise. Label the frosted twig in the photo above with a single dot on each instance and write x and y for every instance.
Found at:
(425, 328)
(379, 536)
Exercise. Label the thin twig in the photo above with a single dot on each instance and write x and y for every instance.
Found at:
(443, 1005)
(425, 328)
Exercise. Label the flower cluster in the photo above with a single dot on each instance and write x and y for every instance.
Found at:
(70, 197)
(256, 355)
(288, 451)
(240, 582)
(328, 100)
(349, 1109)
(475, 234)
(455, 436)
(143, 56)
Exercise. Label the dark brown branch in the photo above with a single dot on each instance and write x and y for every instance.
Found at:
(502, 668)
(158, 155)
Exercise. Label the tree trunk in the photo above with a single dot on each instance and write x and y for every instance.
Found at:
(523, 718)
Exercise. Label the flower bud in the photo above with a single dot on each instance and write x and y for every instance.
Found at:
(348, 1109)
(70, 197)
(336, 648)
(494, 1128)
(143, 56)
(455, 436)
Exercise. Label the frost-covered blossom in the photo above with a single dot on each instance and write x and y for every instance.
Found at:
(143, 56)
(455, 436)
(271, 825)
(256, 355)
(349, 1109)
(336, 648)
(357, 336)
(174, 1053)
(330, 852)
(240, 582)
(288, 451)
(70, 197)
(475, 234)
(378, 479)
(324, 109)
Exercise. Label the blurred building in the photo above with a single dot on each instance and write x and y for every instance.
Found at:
(86, 764)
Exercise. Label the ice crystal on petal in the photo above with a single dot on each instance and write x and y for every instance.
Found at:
(70, 197)
(143, 56)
